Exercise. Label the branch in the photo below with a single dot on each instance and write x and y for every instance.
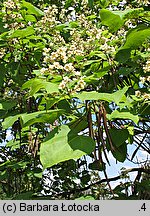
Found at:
(136, 150)
(73, 191)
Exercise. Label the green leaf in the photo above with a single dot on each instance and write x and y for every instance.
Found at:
(89, 62)
(110, 97)
(99, 54)
(123, 115)
(36, 84)
(41, 116)
(3, 175)
(73, 24)
(123, 55)
(113, 21)
(64, 104)
(30, 18)
(59, 147)
(85, 179)
(8, 122)
(32, 9)
(51, 101)
(144, 185)
(120, 153)
(128, 12)
(119, 95)
(78, 125)
(32, 118)
(4, 165)
(50, 87)
(13, 144)
(104, 3)
(23, 33)
(125, 71)
(97, 165)
(17, 165)
(81, 145)
(61, 27)
(90, 3)
(118, 136)
(7, 105)
(85, 198)
(134, 39)
(38, 175)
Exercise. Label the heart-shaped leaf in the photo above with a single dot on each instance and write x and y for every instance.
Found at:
(60, 146)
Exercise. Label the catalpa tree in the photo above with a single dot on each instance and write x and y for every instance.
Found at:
(74, 93)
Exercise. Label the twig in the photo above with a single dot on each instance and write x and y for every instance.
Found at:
(73, 191)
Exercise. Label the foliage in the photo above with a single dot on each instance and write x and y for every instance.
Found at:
(74, 89)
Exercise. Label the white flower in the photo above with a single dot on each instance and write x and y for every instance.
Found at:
(77, 73)
(69, 67)
(61, 50)
(137, 93)
(146, 96)
(143, 79)
(9, 4)
(2, 52)
(19, 16)
(51, 67)
(13, 16)
(62, 85)
(148, 78)
(46, 51)
(15, 40)
(54, 56)
(66, 79)
(81, 83)
(46, 59)
(143, 2)
(64, 59)
(98, 36)
(6, 25)
(43, 70)
(78, 52)
(146, 68)
(57, 65)
(77, 88)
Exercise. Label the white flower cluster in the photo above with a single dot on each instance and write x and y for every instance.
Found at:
(61, 55)
(2, 52)
(52, 59)
(146, 68)
(143, 2)
(11, 15)
(122, 3)
(107, 49)
(144, 96)
(10, 4)
(80, 85)
(131, 23)
(49, 21)
(14, 25)
(77, 84)
(144, 79)
(77, 45)
(58, 62)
